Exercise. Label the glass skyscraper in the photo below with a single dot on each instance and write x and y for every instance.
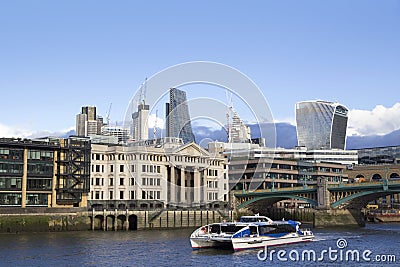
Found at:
(321, 125)
(177, 116)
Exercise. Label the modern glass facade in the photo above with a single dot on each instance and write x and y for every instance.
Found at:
(44, 172)
(321, 125)
(379, 155)
(177, 116)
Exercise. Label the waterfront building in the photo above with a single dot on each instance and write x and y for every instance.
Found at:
(87, 122)
(47, 172)
(321, 125)
(157, 174)
(177, 116)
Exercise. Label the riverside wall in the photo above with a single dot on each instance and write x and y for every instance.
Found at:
(53, 220)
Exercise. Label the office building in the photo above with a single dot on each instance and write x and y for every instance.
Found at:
(239, 132)
(47, 172)
(177, 116)
(88, 123)
(140, 123)
(321, 125)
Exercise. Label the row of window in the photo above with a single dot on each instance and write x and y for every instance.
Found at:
(151, 181)
(159, 158)
(151, 169)
(211, 172)
(149, 194)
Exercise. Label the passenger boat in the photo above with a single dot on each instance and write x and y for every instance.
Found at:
(250, 232)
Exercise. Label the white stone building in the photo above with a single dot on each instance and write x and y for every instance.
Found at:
(157, 174)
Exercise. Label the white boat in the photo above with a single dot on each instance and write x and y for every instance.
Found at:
(250, 232)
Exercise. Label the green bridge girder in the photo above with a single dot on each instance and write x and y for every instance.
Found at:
(378, 188)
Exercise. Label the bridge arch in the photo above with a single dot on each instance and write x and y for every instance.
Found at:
(394, 175)
(255, 199)
(362, 194)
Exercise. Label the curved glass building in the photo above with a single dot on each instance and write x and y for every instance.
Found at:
(321, 124)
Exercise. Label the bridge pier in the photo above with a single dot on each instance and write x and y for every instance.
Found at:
(338, 217)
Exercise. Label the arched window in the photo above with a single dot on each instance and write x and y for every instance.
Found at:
(376, 176)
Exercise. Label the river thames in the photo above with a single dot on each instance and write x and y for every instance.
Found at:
(172, 248)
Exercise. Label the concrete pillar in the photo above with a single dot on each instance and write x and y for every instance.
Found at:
(197, 187)
(126, 220)
(54, 181)
(173, 185)
(93, 216)
(323, 194)
(182, 185)
(104, 221)
(115, 220)
(24, 179)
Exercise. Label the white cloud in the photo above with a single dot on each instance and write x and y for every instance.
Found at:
(19, 132)
(14, 131)
(153, 119)
(381, 120)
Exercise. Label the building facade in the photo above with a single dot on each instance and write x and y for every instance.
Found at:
(177, 117)
(321, 125)
(45, 172)
(88, 123)
(379, 155)
(156, 174)
(140, 123)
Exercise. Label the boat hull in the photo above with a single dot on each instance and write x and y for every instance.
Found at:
(263, 241)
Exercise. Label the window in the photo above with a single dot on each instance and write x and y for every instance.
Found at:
(111, 195)
(112, 168)
(121, 168)
(97, 195)
(132, 194)
(97, 168)
(132, 181)
(111, 181)
(121, 194)
(97, 181)
(121, 181)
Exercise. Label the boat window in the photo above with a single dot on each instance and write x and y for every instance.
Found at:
(253, 219)
(230, 229)
(253, 230)
(215, 228)
(265, 229)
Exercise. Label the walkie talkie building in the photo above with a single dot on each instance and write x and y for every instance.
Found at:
(321, 125)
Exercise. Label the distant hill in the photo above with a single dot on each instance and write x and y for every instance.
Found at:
(285, 136)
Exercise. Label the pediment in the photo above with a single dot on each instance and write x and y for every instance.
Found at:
(192, 150)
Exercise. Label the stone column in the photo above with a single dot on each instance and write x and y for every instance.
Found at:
(182, 185)
(24, 179)
(197, 187)
(173, 185)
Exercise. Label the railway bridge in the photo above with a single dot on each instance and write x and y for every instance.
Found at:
(332, 204)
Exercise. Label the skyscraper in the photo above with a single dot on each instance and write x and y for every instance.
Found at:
(140, 123)
(321, 124)
(177, 116)
(88, 123)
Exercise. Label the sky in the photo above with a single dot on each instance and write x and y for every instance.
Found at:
(56, 56)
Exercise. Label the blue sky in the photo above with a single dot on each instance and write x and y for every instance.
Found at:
(56, 56)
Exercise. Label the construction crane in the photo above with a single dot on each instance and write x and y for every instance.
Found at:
(108, 115)
(143, 90)
(155, 127)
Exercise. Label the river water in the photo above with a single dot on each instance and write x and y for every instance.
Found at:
(172, 248)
